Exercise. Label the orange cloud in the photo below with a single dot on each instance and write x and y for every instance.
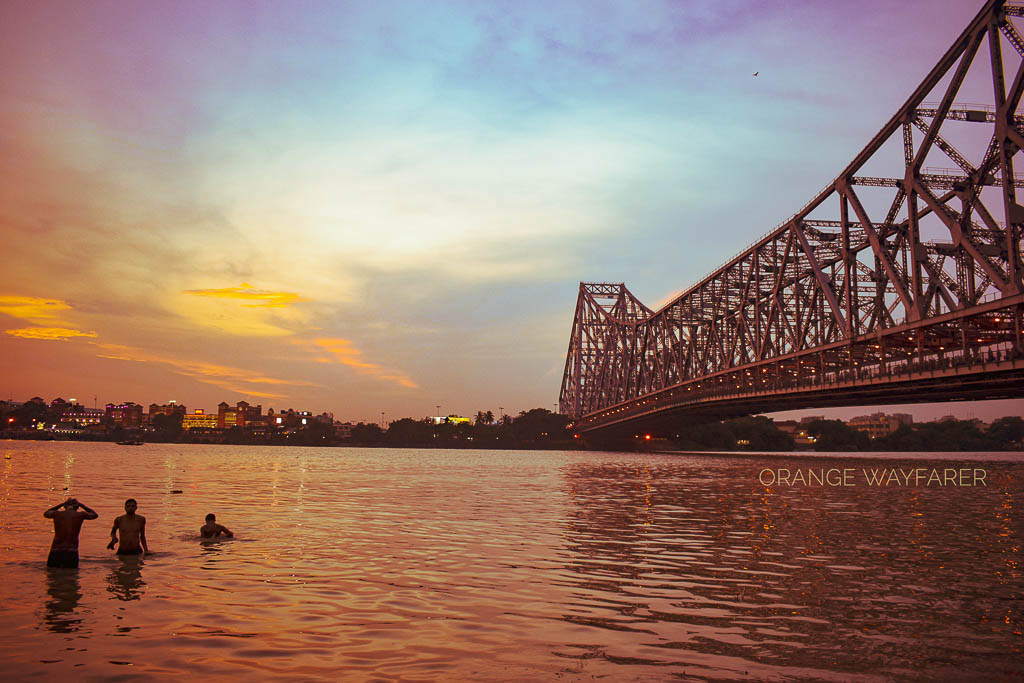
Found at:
(223, 376)
(260, 298)
(344, 353)
(49, 333)
(45, 313)
(242, 311)
(32, 308)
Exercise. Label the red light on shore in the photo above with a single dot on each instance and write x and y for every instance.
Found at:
(647, 437)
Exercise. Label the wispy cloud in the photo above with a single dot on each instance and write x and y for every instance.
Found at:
(33, 309)
(49, 333)
(256, 298)
(45, 313)
(238, 380)
(243, 310)
(343, 352)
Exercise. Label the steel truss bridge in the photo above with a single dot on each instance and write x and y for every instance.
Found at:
(900, 282)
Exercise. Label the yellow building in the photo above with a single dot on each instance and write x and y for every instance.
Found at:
(199, 420)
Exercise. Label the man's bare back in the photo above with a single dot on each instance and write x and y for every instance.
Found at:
(67, 523)
(132, 528)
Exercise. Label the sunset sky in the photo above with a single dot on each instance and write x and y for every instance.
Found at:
(367, 207)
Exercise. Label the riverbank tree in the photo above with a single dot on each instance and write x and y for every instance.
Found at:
(744, 433)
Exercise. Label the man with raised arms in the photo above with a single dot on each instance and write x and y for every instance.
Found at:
(67, 522)
(133, 531)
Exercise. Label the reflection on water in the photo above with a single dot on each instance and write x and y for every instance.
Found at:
(125, 580)
(64, 592)
(705, 571)
(436, 565)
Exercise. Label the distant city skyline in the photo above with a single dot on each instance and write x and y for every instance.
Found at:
(925, 412)
(368, 208)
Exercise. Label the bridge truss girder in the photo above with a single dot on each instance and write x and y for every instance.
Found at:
(918, 265)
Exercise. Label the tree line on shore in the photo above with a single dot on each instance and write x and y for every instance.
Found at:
(760, 433)
(536, 428)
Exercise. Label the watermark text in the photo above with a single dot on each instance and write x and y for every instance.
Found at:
(953, 477)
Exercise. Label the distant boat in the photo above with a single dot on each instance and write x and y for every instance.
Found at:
(130, 443)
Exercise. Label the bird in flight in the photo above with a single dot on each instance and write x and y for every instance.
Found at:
(756, 72)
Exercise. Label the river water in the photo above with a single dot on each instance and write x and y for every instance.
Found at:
(428, 565)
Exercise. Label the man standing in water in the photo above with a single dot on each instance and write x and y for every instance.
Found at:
(133, 531)
(66, 525)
